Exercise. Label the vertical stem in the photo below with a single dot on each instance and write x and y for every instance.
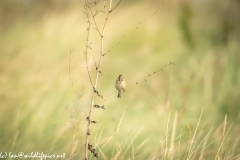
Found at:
(95, 84)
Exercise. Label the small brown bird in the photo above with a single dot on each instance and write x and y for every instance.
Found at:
(120, 85)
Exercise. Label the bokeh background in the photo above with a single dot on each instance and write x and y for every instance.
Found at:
(40, 113)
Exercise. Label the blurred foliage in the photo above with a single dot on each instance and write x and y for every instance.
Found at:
(38, 109)
(184, 23)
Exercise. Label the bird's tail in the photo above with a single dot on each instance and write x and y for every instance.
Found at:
(119, 94)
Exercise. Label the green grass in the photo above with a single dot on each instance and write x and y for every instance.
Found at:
(38, 106)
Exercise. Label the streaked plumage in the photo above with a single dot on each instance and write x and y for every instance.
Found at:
(120, 85)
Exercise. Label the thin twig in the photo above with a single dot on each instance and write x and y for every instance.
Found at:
(90, 47)
(115, 6)
(70, 76)
(86, 51)
(130, 32)
(145, 79)
(136, 83)
(93, 17)
(94, 3)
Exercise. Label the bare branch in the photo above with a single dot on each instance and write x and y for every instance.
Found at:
(92, 4)
(115, 6)
(145, 79)
(86, 51)
(93, 17)
(130, 32)
(90, 47)
(69, 67)
(87, 146)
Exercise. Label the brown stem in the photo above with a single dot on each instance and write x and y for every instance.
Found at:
(86, 52)
(93, 57)
(95, 85)
(95, 22)
(115, 6)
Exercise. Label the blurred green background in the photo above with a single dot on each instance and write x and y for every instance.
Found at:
(38, 108)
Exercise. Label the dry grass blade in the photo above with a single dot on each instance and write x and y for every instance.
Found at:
(223, 136)
(132, 139)
(226, 155)
(119, 153)
(15, 140)
(190, 133)
(237, 156)
(235, 145)
(109, 139)
(152, 156)
(139, 147)
(179, 142)
(103, 155)
(166, 146)
(204, 144)
(224, 127)
(162, 140)
(196, 147)
(190, 148)
(173, 134)
(74, 146)
(216, 139)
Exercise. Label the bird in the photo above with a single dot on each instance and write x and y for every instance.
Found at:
(120, 85)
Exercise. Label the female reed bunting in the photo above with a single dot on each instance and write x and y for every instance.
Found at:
(120, 85)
